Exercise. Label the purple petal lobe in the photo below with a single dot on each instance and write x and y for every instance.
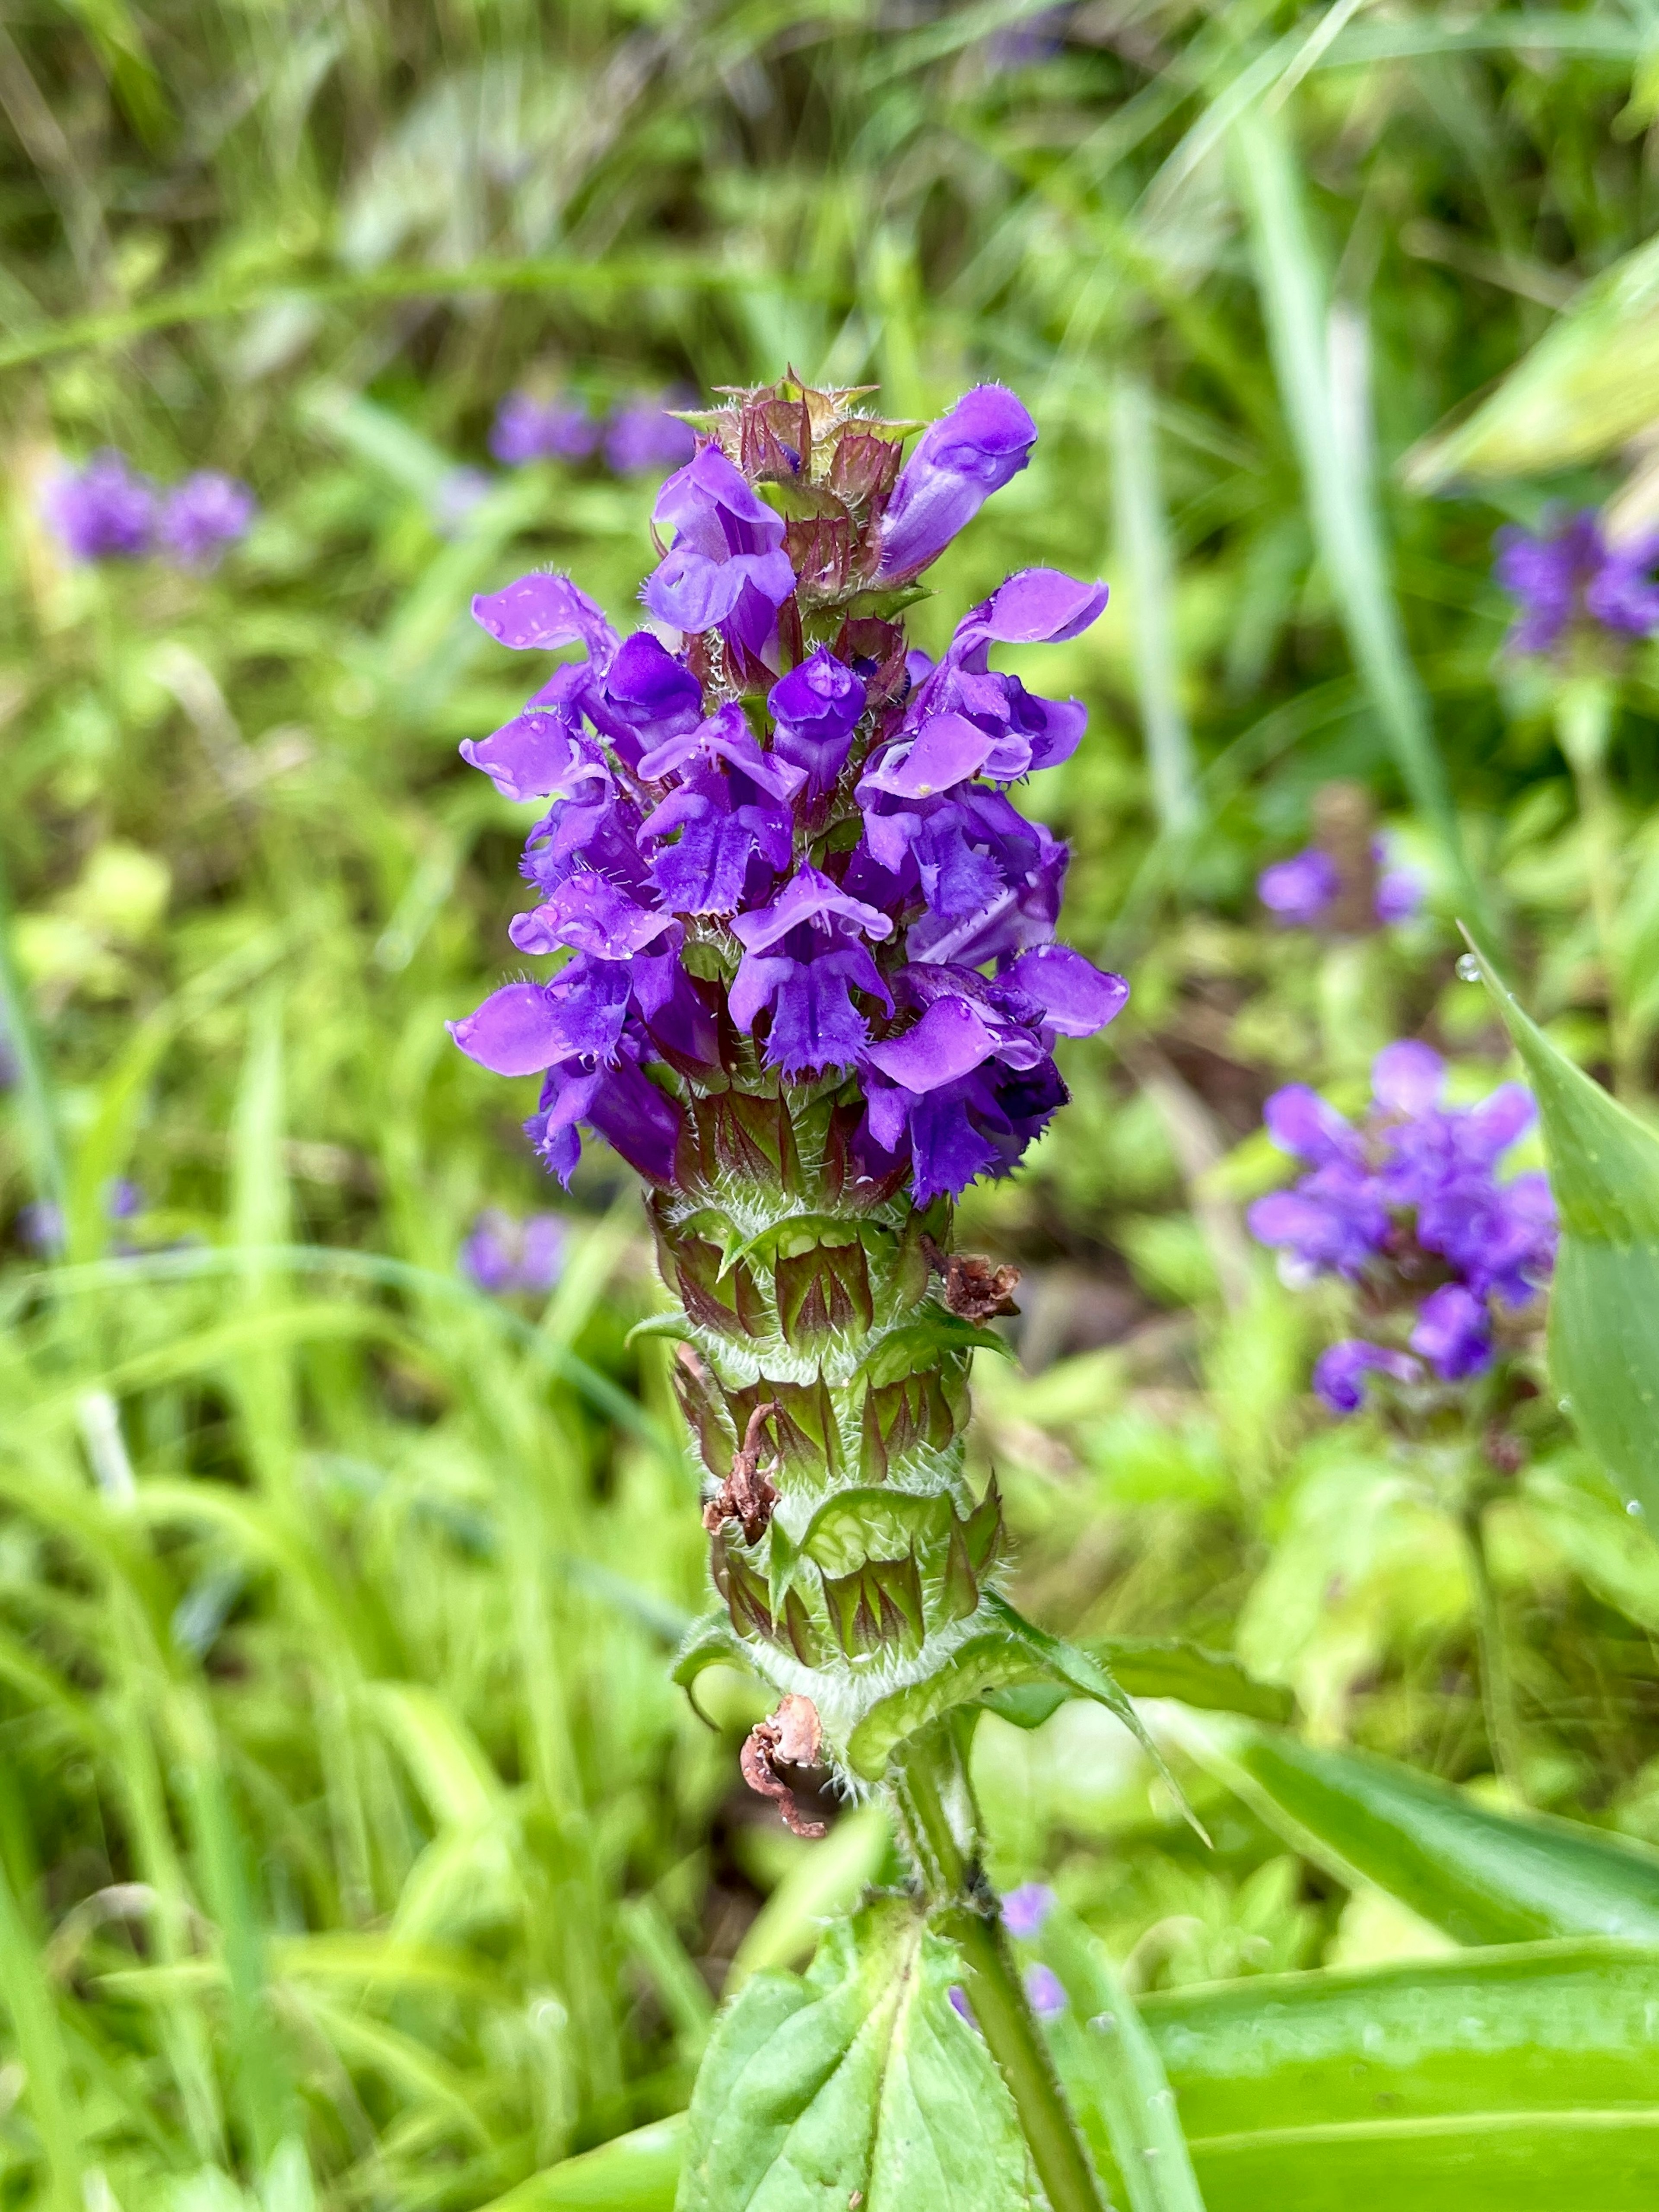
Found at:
(516, 1031)
(1076, 997)
(959, 461)
(1340, 1374)
(1407, 1077)
(541, 612)
(949, 1040)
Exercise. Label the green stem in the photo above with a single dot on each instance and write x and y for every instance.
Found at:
(944, 1845)
(1584, 722)
(1497, 1684)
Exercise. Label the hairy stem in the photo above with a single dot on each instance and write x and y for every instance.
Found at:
(937, 1820)
(1497, 1684)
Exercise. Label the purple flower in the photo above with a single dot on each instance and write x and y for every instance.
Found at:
(1044, 1990)
(962, 2010)
(1453, 1332)
(1569, 571)
(641, 437)
(1625, 595)
(502, 1254)
(1338, 1376)
(40, 1225)
(1025, 1909)
(103, 512)
(959, 461)
(203, 515)
(727, 569)
(817, 708)
(1299, 891)
(1413, 1190)
(528, 429)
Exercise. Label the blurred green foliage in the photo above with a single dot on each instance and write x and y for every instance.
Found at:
(353, 1848)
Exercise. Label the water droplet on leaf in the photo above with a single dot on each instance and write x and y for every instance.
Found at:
(1468, 968)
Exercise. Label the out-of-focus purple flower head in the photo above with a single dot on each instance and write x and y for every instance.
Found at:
(1039, 38)
(1025, 1909)
(642, 437)
(1413, 1190)
(1300, 892)
(528, 429)
(773, 847)
(1340, 1372)
(41, 1225)
(502, 1254)
(203, 515)
(1568, 572)
(103, 512)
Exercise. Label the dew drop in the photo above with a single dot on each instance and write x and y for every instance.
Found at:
(1468, 968)
(1635, 1507)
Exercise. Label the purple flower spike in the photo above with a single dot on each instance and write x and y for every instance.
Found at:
(1399, 896)
(204, 515)
(1569, 574)
(1454, 1333)
(1340, 1374)
(959, 461)
(1025, 1909)
(1297, 892)
(689, 859)
(103, 512)
(1045, 1991)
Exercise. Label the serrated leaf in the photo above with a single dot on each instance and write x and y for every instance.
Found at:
(1604, 1301)
(855, 2085)
(1483, 1877)
(921, 1344)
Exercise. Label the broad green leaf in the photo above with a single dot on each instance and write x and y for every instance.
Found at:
(1113, 2075)
(1604, 1302)
(856, 2085)
(1483, 1877)
(921, 1343)
(634, 2173)
(1530, 2028)
(1588, 385)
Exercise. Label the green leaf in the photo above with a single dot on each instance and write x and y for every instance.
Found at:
(1604, 1302)
(1114, 2073)
(988, 1661)
(634, 2173)
(1483, 1877)
(1155, 1667)
(922, 1344)
(673, 1324)
(856, 2085)
(1513, 2081)
(1087, 1678)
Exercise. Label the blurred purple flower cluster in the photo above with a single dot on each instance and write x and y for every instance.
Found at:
(638, 437)
(1300, 892)
(1569, 573)
(109, 512)
(1410, 1196)
(501, 1254)
(779, 846)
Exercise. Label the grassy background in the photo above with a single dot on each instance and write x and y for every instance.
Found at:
(349, 1836)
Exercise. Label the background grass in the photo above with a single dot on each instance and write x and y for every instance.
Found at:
(351, 1843)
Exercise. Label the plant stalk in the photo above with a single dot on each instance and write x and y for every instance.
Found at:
(962, 1907)
(1497, 1683)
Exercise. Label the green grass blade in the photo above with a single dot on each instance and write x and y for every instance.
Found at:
(1142, 532)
